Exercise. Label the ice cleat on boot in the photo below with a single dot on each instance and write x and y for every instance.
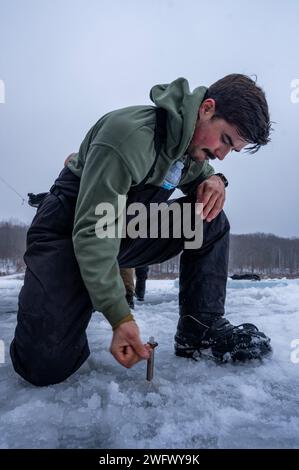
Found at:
(226, 341)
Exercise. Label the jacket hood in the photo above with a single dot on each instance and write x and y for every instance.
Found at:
(182, 107)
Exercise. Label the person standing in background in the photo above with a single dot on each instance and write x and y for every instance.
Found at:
(127, 275)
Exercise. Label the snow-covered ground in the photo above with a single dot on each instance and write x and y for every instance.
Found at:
(188, 405)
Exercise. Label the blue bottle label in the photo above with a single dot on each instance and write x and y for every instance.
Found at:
(173, 176)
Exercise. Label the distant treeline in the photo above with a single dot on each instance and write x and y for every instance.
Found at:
(264, 254)
(258, 253)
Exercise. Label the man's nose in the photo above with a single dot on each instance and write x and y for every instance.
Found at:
(221, 153)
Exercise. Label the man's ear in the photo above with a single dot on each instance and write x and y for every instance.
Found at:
(207, 108)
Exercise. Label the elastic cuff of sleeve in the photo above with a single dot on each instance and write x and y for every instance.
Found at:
(116, 311)
(129, 317)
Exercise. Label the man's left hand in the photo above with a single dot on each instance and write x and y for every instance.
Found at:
(211, 193)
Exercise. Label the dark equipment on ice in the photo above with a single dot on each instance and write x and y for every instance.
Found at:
(247, 277)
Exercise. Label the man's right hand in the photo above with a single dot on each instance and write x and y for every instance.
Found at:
(126, 346)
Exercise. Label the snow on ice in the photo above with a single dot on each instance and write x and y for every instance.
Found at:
(189, 405)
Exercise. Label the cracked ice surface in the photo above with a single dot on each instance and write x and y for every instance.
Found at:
(188, 405)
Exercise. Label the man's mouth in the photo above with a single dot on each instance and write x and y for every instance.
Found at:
(209, 155)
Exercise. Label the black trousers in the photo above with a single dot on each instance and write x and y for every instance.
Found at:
(141, 273)
(50, 340)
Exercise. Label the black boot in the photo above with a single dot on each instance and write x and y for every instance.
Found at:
(227, 342)
(203, 277)
(140, 289)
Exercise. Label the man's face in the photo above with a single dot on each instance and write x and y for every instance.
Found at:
(213, 138)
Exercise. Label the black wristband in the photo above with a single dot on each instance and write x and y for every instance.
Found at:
(221, 176)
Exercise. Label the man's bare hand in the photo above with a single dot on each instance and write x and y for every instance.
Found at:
(68, 158)
(211, 193)
(126, 346)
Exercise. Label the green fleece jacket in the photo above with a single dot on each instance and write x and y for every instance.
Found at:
(117, 153)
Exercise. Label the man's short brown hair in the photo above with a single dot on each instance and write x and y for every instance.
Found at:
(242, 104)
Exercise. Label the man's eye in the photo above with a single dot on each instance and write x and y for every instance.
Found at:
(224, 141)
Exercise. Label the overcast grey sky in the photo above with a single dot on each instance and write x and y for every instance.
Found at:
(64, 63)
